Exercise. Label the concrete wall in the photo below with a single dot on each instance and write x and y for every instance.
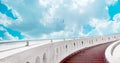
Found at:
(110, 51)
(52, 52)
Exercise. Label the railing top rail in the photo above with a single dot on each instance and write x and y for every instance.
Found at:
(13, 41)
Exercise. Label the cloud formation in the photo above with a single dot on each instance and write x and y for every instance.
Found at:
(5, 34)
(8, 12)
(61, 18)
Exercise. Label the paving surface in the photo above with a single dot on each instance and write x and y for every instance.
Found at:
(94, 54)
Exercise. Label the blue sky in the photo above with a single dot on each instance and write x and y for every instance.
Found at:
(39, 19)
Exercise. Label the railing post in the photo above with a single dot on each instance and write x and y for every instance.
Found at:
(51, 40)
(27, 43)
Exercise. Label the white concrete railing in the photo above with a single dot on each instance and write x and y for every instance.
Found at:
(51, 52)
(112, 53)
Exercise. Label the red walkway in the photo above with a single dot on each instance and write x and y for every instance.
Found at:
(93, 54)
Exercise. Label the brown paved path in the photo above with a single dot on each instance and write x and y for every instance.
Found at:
(94, 54)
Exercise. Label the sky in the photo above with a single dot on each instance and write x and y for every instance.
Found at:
(50, 19)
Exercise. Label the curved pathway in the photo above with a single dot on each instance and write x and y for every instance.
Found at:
(94, 54)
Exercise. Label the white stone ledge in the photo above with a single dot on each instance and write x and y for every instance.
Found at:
(110, 51)
(51, 52)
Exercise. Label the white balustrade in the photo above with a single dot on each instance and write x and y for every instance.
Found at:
(47, 51)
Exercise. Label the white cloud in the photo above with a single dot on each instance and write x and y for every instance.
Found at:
(68, 32)
(95, 22)
(117, 17)
(54, 35)
(49, 16)
(5, 20)
(111, 2)
(45, 2)
(104, 27)
(81, 5)
(89, 8)
(9, 36)
(81, 33)
(39, 17)
(60, 34)
(29, 13)
(15, 13)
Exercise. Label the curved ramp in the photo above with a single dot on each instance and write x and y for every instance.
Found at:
(94, 54)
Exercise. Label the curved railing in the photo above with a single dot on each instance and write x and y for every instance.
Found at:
(52, 51)
(109, 56)
(9, 45)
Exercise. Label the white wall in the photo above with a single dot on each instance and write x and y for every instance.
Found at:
(112, 53)
(52, 52)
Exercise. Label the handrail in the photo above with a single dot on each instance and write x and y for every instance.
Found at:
(109, 53)
(13, 41)
(27, 43)
(2, 42)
